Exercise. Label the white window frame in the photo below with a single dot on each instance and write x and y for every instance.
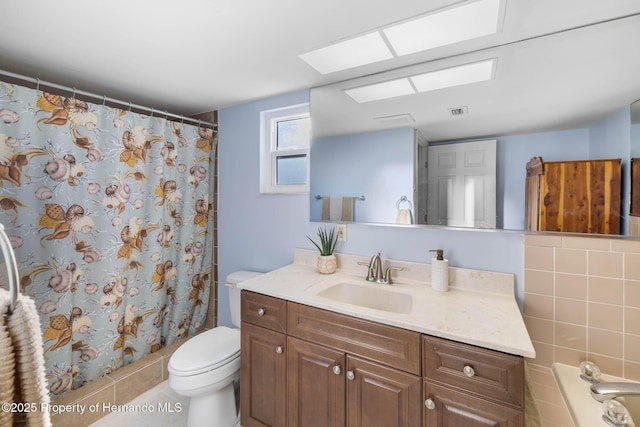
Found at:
(269, 154)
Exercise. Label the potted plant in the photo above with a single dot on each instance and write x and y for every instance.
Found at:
(327, 263)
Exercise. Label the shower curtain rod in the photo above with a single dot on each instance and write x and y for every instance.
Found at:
(105, 99)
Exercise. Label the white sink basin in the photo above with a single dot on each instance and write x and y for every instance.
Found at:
(369, 296)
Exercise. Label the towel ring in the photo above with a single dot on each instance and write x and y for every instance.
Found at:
(402, 200)
(12, 267)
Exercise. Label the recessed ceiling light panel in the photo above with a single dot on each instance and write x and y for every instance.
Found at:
(350, 53)
(455, 76)
(378, 91)
(471, 20)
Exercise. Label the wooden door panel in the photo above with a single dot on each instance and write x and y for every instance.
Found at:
(315, 385)
(457, 409)
(262, 377)
(379, 396)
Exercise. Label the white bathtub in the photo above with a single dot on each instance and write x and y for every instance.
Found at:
(584, 409)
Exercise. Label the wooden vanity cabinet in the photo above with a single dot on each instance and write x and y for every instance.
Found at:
(303, 366)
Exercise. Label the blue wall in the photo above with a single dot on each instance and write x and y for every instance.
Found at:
(363, 164)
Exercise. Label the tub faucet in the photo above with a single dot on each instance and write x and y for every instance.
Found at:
(611, 390)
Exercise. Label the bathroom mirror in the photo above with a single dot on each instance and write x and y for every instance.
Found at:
(635, 169)
(558, 96)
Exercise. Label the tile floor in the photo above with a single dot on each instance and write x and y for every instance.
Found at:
(169, 409)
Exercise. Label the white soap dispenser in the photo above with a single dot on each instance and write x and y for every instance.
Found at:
(439, 272)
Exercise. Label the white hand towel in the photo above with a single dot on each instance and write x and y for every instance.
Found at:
(335, 208)
(404, 216)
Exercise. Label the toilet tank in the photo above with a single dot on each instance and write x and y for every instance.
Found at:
(233, 280)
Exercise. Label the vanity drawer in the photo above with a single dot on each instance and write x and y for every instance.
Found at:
(487, 373)
(263, 310)
(395, 347)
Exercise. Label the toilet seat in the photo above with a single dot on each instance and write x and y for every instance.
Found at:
(205, 352)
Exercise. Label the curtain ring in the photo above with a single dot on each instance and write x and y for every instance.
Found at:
(166, 115)
(151, 111)
(104, 100)
(73, 96)
(37, 83)
(129, 106)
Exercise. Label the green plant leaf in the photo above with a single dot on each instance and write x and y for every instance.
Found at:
(327, 243)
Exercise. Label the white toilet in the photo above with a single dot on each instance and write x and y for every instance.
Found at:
(207, 367)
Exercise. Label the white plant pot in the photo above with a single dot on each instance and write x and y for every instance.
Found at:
(327, 264)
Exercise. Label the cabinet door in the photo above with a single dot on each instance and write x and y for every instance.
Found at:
(315, 385)
(445, 407)
(262, 377)
(378, 396)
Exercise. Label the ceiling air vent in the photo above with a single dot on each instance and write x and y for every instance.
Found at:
(397, 120)
(458, 111)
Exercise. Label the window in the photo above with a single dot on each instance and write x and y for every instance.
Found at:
(284, 164)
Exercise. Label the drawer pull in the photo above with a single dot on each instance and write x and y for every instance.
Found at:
(261, 311)
(430, 404)
(351, 376)
(337, 370)
(469, 371)
(279, 349)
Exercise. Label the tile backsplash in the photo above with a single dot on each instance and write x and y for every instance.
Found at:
(582, 301)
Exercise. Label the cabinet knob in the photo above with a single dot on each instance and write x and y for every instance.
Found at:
(351, 375)
(337, 370)
(279, 349)
(430, 404)
(261, 311)
(469, 371)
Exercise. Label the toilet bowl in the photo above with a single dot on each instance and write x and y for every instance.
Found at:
(207, 368)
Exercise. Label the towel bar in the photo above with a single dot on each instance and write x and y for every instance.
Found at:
(318, 197)
(12, 267)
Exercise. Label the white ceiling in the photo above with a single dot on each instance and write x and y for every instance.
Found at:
(194, 56)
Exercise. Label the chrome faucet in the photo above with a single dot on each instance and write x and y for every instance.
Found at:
(610, 390)
(374, 271)
(374, 268)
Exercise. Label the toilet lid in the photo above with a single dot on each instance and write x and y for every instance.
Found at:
(206, 351)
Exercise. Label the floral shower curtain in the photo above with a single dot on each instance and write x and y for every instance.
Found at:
(110, 216)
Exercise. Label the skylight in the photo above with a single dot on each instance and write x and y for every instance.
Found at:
(378, 91)
(456, 76)
(465, 22)
(433, 80)
(350, 53)
(470, 20)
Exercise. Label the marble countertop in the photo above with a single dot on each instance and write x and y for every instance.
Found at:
(482, 311)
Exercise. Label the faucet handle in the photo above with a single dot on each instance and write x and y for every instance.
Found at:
(387, 274)
(370, 274)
